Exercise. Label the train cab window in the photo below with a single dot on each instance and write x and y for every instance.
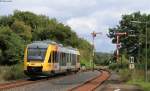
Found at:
(36, 54)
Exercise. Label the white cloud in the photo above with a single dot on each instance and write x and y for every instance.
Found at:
(82, 25)
(83, 16)
(38, 10)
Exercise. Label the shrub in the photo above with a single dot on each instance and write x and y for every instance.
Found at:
(12, 72)
(125, 74)
(113, 66)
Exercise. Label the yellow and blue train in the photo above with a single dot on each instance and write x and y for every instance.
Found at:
(43, 58)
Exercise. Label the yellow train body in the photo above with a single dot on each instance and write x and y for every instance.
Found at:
(43, 58)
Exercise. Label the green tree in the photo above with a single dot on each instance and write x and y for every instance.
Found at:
(11, 47)
(132, 45)
(102, 58)
(22, 30)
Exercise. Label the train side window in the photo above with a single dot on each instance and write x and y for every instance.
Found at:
(60, 60)
(53, 56)
(64, 59)
(74, 59)
(50, 58)
(70, 57)
(78, 58)
(56, 56)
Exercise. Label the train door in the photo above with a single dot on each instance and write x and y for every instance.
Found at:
(55, 60)
(68, 61)
(50, 61)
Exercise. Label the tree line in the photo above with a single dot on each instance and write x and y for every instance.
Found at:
(21, 28)
(102, 58)
(135, 45)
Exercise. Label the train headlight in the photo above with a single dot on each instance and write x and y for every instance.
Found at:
(27, 64)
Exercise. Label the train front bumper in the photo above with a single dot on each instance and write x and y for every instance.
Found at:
(35, 71)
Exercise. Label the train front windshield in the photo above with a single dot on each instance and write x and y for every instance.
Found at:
(36, 54)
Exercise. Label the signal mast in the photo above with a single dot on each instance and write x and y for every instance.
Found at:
(118, 35)
(94, 34)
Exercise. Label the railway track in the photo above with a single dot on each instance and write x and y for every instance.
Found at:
(93, 83)
(18, 83)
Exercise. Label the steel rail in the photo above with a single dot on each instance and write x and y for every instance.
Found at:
(93, 83)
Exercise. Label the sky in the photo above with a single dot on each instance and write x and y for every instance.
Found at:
(83, 16)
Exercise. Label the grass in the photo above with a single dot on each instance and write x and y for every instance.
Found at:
(14, 72)
(125, 74)
(144, 85)
(135, 77)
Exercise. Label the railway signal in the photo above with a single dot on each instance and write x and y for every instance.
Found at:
(118, 35)
(94, 34)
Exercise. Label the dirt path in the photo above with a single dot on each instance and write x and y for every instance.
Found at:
(114, 83)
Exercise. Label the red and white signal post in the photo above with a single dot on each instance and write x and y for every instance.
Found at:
(118, 34)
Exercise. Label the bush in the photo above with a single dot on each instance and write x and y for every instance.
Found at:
(113, 66)
(125, 74)
(123, 63)
(85, 63)
(12, 72)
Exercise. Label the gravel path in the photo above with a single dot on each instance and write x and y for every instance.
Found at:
(60, 84)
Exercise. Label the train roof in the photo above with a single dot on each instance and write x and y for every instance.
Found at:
(69, 50)
(46, 43)
(42, 44)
